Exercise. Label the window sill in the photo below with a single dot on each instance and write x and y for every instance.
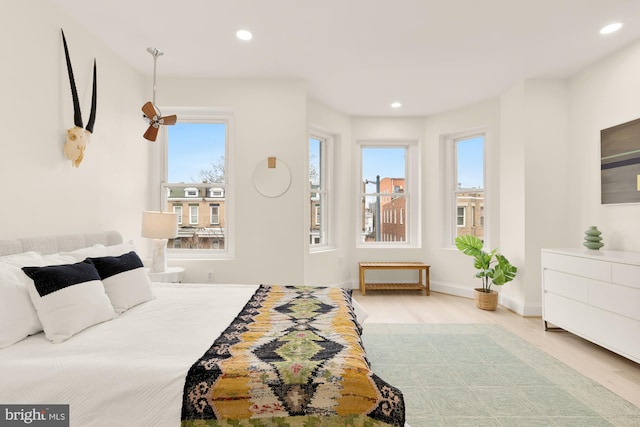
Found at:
(322, 249)
(199, 255)
(386, 246)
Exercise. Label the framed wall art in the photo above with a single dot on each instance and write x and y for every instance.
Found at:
(620, 163)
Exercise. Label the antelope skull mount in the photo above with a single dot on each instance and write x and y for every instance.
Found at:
(78, 136)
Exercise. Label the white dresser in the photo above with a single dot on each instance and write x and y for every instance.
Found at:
(594, 294)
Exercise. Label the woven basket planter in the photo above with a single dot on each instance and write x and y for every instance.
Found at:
(486, 301)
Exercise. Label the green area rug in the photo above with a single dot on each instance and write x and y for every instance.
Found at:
(483, 375)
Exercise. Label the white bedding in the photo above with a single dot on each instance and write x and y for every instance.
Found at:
(110, 374)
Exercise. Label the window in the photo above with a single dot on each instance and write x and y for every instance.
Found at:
(473, 216)
(216, 192)
(190, 192)
(214, 214)
(195, 182)
(319, 193)
(388, 179)
(193, 215)
(466, 193)
(177, 209)
(460, 221)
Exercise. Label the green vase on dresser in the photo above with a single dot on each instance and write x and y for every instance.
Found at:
(593, 238)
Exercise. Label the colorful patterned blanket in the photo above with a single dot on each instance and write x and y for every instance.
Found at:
(292, 357)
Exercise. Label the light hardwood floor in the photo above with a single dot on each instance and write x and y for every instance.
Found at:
(620, 375)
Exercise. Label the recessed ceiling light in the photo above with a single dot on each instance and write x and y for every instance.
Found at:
(396, 105)
(244, 35)
(611, 28)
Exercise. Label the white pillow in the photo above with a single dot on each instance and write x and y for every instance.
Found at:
(18, 318)
(84, 253)
(125, 280)
(99, 250)
(68, 298)
(22, 259)
(53, 259)
(120, 248)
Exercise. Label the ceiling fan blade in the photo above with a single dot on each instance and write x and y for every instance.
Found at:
(149, 110)
(169, 120)
(152, 133)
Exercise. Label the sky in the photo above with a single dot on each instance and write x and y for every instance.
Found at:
(314, 159)
(470, 162)
(388, 162)
(192, 148)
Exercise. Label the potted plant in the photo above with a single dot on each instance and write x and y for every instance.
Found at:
(493, 269)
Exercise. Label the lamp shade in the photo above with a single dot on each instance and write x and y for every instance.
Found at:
(159, 225)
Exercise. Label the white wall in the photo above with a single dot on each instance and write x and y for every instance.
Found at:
(533, 189)
(526, 167)
(380, 129)
(451, 271)
(603, 95)
(270, 120)
(542, 133)
(333, 265)
(42, 192)
(550, 167)
(512, 182)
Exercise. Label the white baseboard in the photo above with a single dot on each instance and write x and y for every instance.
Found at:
(451, 289)
(505, 301)
(346, 285)
(527, 310)
(465, 292)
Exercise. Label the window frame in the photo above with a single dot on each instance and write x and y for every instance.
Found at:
(193, 214)
(459, 216)
(327, 142)
(450, 188)
(203, 115)
(190, 192)
(215, 192)
(412, 218)
(178, 211)
(212, 207)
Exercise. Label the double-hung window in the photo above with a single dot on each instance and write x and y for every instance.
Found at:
(195, 183)
(193, 215)
(465, 205)
(177, 209)
(214, 217)
(319, 188)
(388, 206)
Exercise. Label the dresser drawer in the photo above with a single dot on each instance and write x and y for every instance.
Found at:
(625, 274)
(567, 285)
(594, 269)
(621, 300)
(617, 333)
(594, 294)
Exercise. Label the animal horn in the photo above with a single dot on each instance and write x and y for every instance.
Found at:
(94, 94)
(77, 115)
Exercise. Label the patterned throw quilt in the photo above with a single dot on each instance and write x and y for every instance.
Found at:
(292, 357)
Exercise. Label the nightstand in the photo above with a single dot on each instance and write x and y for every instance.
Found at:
(169, 275)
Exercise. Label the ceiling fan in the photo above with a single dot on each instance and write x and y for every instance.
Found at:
(152, 114)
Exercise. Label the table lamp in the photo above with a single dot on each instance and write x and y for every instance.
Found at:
(159, 226)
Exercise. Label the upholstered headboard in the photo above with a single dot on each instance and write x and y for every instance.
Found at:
(59, 243)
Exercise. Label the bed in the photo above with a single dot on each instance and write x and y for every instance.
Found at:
(187, 354)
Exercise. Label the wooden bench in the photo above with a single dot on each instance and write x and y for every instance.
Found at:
(364, 286)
